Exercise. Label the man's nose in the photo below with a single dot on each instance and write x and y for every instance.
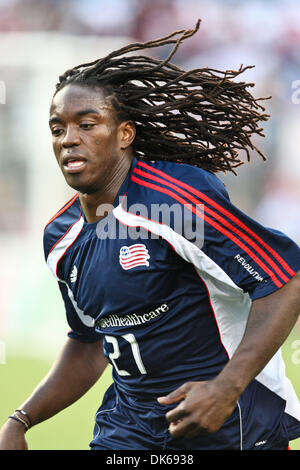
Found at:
(71, 137)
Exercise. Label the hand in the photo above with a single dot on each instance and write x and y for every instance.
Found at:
(203, 407)
(12, 436)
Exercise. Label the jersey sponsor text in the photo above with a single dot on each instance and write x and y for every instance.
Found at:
(130, 319)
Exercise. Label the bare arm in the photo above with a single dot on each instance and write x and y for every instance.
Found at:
(206, 405)
(74, 372)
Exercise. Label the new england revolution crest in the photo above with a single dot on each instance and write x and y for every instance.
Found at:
(133, 256)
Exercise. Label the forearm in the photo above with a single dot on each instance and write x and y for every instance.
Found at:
(204, 406)
(270, 321)
(74, 372)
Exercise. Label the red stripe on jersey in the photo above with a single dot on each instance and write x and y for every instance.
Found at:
(133, 260)
(221, 209)
(137, 250)
(213, 311)
(71, 242)
(63, 236)
(220, 219)
(63, 209)
(213, 224)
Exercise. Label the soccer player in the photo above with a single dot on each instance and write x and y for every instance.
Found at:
(188, 298)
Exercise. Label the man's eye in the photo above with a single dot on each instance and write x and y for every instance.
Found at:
(56, 131)
(87, 125)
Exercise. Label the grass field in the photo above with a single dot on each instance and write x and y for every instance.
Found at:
(72, 428)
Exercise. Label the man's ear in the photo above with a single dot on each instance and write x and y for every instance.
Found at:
(127, 134)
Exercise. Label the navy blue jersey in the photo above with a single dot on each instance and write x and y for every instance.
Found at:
(167, 280)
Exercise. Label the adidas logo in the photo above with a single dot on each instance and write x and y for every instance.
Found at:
(73, 276)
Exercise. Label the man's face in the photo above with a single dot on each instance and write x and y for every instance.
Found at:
(88, 139)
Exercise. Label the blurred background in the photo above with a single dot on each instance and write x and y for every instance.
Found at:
(39, 40)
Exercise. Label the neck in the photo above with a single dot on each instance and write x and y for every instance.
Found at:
(98, 204)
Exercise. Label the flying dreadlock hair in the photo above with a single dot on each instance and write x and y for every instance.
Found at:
(201, 117)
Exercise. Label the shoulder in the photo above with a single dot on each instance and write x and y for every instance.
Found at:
(162, 180)
(60, 223)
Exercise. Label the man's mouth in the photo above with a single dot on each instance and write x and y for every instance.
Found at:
(74, 164)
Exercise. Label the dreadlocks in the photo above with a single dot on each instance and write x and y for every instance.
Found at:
(201, 117)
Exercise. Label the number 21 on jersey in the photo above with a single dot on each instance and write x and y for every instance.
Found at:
(113, 356)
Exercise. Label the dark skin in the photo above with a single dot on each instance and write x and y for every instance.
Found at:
(204, 406)
(85, 129)
(61, 387)
(94, 153)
